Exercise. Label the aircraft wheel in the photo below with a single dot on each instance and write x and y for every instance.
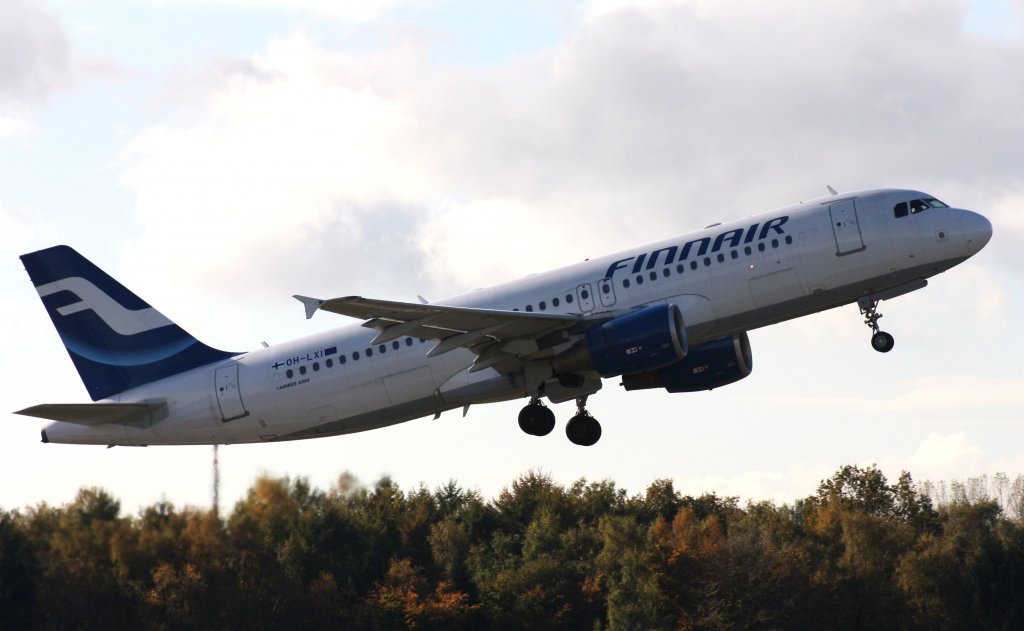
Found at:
(545, 421)
(882, 342)
(536, 420)
(583, 430)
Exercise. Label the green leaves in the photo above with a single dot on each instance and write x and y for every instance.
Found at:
(860, 553)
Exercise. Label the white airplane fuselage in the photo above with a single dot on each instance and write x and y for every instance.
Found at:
(725, 279)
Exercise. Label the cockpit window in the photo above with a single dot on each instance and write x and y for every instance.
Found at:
(917, 206)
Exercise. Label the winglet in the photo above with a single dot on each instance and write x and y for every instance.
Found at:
(311, 304)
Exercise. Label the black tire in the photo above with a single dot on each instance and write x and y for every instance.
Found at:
(545, 421)
(583, 430)
(882, 342)
(528, 419)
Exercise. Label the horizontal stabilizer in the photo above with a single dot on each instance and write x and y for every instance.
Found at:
(134, 414)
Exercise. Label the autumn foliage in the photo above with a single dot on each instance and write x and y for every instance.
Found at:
(860, 553)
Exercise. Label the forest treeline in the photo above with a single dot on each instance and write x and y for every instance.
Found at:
(859, 553)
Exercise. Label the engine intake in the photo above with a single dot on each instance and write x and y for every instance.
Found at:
(712, 365)
(644, 340)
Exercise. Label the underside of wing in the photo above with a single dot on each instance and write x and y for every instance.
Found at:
(134, 414)
(500, 339)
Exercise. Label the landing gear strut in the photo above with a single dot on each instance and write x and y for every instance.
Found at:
(535, 419)
(583, 429)
(880, 340)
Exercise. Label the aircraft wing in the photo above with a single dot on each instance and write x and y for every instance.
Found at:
(496, 336)
(134, 414)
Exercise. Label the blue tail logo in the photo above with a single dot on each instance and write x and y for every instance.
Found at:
(115, 339)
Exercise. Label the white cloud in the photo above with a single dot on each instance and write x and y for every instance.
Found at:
(275, 164)
(35, 61)
(783, 486)
(946, 452)
(361, 11)
(14, 126)
(16, 228)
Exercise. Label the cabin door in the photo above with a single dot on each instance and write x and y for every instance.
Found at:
(229, 395)
(845, 227)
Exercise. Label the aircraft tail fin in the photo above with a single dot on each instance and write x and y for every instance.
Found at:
(116, 340)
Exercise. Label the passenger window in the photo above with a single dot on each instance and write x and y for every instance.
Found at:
(408, 341)
(639, 280)
(395, 345)
(666, 272)
(341, 359)
(734, 254)
(289, 373)
(568, 298)
(789, 239)
(330, 363)
(775, 243)
(383, 348)
(584, 294)
(721, 257)
(554, 302)
(369, 352)
(654, 275)
(302, 370)
(529, 308)
(707, 261)
(693, 264)
(900, 210)
(606, 288)
(760, 247)
(316, 366)
(625, 282)
(746, 250)
(355, 356)
(680, 268)
(543, 305)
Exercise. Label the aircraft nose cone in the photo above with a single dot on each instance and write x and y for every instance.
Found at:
(977, 230)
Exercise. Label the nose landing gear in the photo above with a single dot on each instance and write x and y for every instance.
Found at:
(880, 340)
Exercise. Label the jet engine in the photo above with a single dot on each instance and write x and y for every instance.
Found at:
(644, 340)
(711, 365)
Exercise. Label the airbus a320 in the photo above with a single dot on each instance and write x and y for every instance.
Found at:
(672, 315)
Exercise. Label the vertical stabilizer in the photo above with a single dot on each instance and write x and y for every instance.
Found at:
(115, 339)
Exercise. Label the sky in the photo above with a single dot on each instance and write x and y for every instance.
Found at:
(219, 156)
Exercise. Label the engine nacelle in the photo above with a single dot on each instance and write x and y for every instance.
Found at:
(644, 340)
(711, 365)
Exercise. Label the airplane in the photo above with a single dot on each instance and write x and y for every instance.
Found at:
(672, 315)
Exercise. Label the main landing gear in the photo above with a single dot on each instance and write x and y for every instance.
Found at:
(880, 340)
(582, 429)
(535, 419)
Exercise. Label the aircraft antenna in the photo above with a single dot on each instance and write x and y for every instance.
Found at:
(831, 190)
(216, 481)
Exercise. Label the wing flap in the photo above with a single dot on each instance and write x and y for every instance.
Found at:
(134, 414)
(513, 334)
